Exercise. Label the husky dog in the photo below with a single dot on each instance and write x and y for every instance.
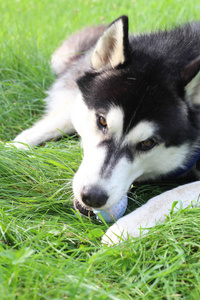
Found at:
(135, 102)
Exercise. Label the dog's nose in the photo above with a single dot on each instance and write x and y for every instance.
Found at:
(94, 196)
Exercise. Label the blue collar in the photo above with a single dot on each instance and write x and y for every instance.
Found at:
(188, 166)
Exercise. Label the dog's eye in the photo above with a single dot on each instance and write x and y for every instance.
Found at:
(102, 122)
(146, 145)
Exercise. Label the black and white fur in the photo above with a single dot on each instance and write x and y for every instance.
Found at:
(135, 102)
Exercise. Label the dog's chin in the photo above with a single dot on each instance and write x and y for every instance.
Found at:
(86, 211)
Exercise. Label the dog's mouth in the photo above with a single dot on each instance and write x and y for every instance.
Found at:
(86, 211)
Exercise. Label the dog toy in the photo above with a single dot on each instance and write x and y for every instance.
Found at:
(114, 212)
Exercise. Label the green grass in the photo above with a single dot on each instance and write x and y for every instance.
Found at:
(46, 250)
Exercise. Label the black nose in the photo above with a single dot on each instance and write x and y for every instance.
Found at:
(94, 196)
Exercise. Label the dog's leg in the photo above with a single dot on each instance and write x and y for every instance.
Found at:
(54, 123)
(44, 130)
(146, 216)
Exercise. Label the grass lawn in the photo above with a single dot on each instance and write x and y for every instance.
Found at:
(46, 251)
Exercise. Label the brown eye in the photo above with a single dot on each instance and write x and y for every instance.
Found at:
(146, 145)
(102, 122)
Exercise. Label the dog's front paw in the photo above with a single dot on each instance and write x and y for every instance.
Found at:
(17, 145)
(132, 225)
(115, 234)
(128, 226)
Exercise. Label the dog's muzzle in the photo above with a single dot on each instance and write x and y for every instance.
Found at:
(86, 211)
(92, 197)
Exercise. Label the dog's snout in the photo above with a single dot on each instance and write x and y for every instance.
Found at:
(94, 196)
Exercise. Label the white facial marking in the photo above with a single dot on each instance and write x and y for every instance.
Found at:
(161, 160)
(115, 120)
(84, 121)
(141, 132)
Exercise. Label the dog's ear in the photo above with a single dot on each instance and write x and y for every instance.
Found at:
(112, 48)
(191, 78)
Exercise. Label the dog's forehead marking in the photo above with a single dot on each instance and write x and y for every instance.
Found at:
(141, 132)
(115, 120)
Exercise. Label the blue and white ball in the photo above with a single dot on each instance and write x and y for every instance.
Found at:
(114, 212)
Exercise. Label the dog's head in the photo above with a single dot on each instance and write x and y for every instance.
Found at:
(137, 116)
